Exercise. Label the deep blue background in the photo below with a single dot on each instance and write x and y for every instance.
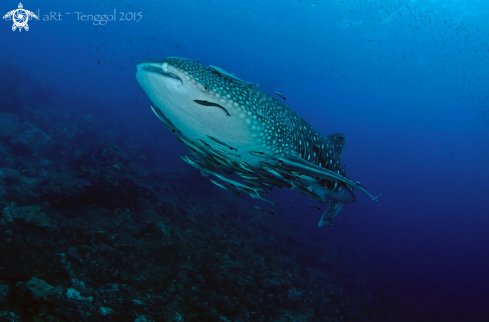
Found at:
(405, 81)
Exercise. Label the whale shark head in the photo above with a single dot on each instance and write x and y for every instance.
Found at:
(199, 101)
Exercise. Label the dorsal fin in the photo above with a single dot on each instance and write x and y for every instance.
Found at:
(338, 140)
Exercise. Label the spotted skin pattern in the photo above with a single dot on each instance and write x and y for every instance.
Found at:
(277, 127)
(290, 152)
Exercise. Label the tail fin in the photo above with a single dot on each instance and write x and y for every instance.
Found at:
(331, 212)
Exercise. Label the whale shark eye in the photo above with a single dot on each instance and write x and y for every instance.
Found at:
(205, 88)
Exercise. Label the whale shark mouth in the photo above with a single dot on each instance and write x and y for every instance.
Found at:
(161, 68)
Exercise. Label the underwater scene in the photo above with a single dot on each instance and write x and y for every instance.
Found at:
(223, 160)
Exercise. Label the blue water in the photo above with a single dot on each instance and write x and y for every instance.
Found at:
(406, 82)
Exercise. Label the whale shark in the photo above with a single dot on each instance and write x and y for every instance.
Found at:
(245, 139)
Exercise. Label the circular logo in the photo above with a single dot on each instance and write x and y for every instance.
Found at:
(20, 18)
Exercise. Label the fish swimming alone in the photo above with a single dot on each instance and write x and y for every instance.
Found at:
(233, 128)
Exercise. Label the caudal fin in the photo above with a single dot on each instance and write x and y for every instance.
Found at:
(331, 212)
